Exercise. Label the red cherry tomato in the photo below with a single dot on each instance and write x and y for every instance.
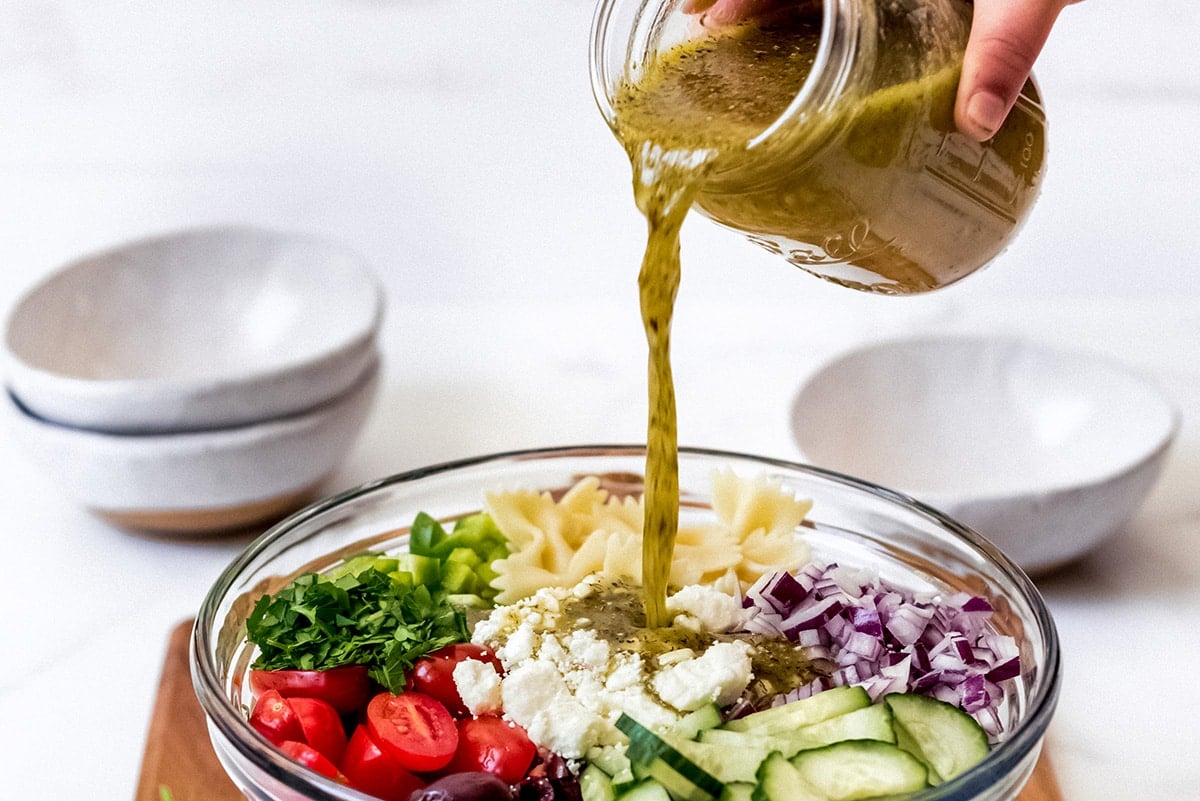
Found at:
(310, 758)
(322, 726)
(494, 745)
(414, 728)
(433, 674)
(274, 718)
(375, 771)
(347, 687)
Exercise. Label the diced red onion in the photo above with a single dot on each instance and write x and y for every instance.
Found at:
(887, 639)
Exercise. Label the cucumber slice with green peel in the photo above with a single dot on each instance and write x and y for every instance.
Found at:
(653, 754)
(596, 785)
(779, 780)
(725, 763)
(872, 722)
(613, 760)
(648, 790)
(683, 779)
(805, 712)
(702, 719)
(737, 791)
(942, 736)
(853, 770)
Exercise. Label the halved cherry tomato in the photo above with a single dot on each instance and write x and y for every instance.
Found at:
(322, 726)
(413, 727)
(310, 758)
(347, 687)
(274, 718)
(433, 674)
(376, 772)
(494, 745)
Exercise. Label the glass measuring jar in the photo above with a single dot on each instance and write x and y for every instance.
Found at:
(849, 167)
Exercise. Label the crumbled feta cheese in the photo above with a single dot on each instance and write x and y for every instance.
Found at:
(537, 698)
(566, 685)
(478, 686)
(589, 650)
(703, 608)
(718, 675)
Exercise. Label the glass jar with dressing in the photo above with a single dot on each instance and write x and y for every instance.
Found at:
(823, 130)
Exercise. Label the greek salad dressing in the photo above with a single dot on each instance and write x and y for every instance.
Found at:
(616, 615)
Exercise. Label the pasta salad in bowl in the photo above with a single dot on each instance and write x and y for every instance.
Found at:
(476, 630)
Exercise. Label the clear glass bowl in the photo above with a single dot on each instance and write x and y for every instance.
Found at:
(852, 522)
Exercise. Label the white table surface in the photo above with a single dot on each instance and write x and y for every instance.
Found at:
(456, 144)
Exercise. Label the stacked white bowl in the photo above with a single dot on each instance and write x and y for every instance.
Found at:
(199, 381)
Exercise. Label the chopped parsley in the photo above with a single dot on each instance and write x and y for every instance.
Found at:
(366, 618)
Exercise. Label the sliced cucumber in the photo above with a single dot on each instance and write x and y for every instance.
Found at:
(834, 746)
(596, 785)
(779, 780)
(702, 719)
(726, 763)
(648, 790)
(872, 722)
(683, 779)
(942, 736)
(737, 791)
(613, 760)
(859, 769)
(805, 712)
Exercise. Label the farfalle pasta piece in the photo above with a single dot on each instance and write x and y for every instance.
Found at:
(701, 554)
(588, 531)
(747, 505)
(556, 544)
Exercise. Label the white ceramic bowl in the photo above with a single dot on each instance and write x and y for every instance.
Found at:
(204, 481)
(1045, 452)
(204, 328)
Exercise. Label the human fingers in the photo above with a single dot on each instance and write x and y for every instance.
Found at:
(718, 13)
(1006, 38)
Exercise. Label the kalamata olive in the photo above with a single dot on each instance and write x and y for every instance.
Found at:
(536, 788)
(557, 767)
(471, 786)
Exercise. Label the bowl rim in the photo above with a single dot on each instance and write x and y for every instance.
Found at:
(197, 471)
(1149, 451)
(204, 440)
(1023, 740)
(106, 399)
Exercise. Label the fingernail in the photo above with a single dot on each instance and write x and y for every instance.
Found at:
(986, 112)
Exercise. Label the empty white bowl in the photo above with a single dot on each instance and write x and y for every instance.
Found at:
(204, 328)
(1046, 452)
(202, 481)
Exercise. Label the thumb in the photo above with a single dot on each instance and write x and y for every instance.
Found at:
(1006, 38)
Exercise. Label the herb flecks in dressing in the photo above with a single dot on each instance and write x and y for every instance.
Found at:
(613, 612)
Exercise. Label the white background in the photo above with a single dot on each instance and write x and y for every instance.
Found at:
(455, 143)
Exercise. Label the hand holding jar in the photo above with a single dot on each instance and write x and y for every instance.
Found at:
(832, 132)
(1006, 38)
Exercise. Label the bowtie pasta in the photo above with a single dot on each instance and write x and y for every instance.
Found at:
(589, 530)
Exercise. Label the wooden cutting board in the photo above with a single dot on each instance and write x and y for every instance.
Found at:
(180, 758)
